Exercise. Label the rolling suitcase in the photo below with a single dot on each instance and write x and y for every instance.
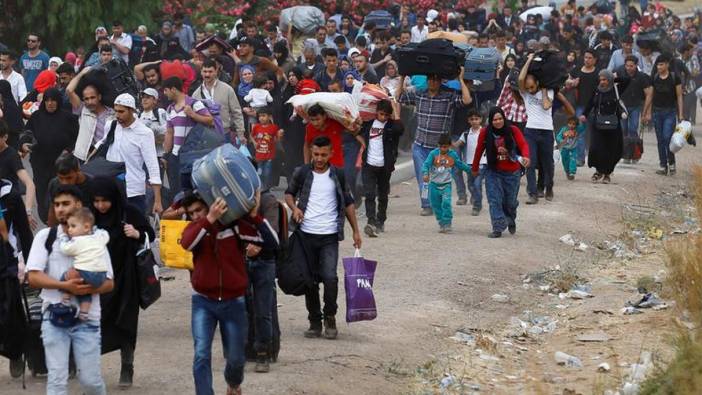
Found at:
(481, 64)
(227, 173)
(381, 18)
(434, 56)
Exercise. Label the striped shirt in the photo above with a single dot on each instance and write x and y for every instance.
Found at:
(181, 123)
(434, 114)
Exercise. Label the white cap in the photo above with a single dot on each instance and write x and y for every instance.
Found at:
(126, 100)
(151, 92)
(353, 51)
(431, 15)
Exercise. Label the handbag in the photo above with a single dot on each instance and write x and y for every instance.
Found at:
(147, 268)
(608, 121)
(359, 274)
(172, 254)
(294, 274)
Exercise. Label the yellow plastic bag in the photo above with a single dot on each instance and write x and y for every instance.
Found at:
(172, 254)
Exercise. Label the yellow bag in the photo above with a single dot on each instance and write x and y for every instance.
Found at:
(172, 254)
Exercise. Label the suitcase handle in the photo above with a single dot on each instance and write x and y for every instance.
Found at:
(422, 59)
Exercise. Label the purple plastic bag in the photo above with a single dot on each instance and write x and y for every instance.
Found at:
(358, 281)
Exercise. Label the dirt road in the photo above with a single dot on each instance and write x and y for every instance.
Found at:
(427, 286)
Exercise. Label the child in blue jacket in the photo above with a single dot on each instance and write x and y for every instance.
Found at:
(437, 170)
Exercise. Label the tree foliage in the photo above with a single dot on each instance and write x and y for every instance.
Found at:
(67, 24)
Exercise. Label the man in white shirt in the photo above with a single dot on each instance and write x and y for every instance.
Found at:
(121, 41)
(134, 144)
(45, 266)
(419, 31)
(538, 132)
(7, 73)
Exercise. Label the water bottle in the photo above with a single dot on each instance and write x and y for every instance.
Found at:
(425, 190)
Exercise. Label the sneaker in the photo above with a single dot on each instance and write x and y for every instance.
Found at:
(663, 171)
(370, 231)
(447, 229)
(606, 179)
(512, 229)
(475, 212)
(532, 199)
(541, 195)
(671, 169)
(426, 212)
(262, 363)
(125, 376)
(330, 331)
(571, 177)
(549, 194)
(314, 331)
(380, 228)
(462, 201)
(16, 367)
(495, 235)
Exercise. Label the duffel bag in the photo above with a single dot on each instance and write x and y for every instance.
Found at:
(431, 57)
(549, 69)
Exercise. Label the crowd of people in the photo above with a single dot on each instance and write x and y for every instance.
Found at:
(103, 162)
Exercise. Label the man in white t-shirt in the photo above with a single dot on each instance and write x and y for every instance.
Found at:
(7, 73)
(538, 132)
(320, 199)
(45, 265)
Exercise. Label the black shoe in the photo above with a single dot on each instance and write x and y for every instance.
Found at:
(475, 212)
(314, 331)
(512, 229)
(606, 179)
(571, 177)
(495, 235)
(16, 367)
(330, 331)
(370, 231)
(380, 228)
(663, 171)
(125, 376)
(462, 201)
(263, 364)
(532, 199)
(549, 194)
(541, 195)
(671, 169)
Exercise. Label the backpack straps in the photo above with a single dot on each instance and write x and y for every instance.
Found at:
(50, 239)
(101, 150)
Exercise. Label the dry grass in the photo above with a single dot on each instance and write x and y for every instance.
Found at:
(683, 374)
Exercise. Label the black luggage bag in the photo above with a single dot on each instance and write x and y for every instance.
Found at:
(121, 78)
(434, 56)
(549, 69)
(381, 18)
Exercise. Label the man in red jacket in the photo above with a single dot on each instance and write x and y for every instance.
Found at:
(219, 283)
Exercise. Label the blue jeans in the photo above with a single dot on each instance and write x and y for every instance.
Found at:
(262, 281)
(440, 197)
(664, 123)
(582, 137)
(502, 189)
(419, 155)
(457, 174)
(541, 155)
(475, 186)
(94, 279)
(351, 148)
(233, 326)
(630, 125)
(85, 339)
(265, 168)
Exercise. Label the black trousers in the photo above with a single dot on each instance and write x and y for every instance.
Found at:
(376, 184)
(322, 258)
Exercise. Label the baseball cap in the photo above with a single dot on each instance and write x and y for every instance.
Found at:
(431, 15)
(353, 51)
(126, 100)
(151, 92)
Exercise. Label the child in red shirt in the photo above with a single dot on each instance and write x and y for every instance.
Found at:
(319, 124)
(265, 135)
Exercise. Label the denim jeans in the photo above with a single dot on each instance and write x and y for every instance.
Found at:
(630, 125)
(265, 169)
(419, 155)
(173, 172)
(582, 137)
(323, 260)
(138, 202)
(351, 148)
(502, 189)
(262, 282)
(233, 327)
(541, 155)
(376, 182)
(664, 123)
(440, 197)
(475, 186)
(85, 340)
(458, 174)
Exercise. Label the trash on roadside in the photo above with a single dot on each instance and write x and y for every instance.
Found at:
(630, 389)
(463, 337)
(582, 247)
(629, 310)
(639, 370)
(603, 367)
(649, 300)
(447, 381)
(568, 239)
(618, 249)
(500, 298)
(575, 294)
(568, 360)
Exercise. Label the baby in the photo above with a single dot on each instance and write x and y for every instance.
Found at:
(88, 247)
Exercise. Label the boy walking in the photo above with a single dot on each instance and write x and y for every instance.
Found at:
(567, 140)
(265, 135)
(437, 170)
(469, 140)
(381, 136)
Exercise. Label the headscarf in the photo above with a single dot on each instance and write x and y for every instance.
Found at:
(54, 131)
(111, 221)
(244, 88)
(45, 80)
(70, 58)
(12, 115)
(394, 64)
(281, 47)
(610, 77)
(57, 60)
(493, 134)
(355, 75)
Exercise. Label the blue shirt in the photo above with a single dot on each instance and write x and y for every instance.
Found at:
(32, 66)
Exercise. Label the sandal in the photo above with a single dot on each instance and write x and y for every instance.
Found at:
(606, 179)
(596, 177)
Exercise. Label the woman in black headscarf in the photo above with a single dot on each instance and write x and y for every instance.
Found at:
(294, 138)
(53, 131)
(282, 56)
(128, 229)
(506, 152)
(11, 114)
(606, 142)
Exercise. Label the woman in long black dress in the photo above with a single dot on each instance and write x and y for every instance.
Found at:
(294, 138)
(54, 130)
(606, 144)
(11, 114)
(128, 229)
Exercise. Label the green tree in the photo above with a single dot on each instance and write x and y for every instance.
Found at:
(67, 24)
